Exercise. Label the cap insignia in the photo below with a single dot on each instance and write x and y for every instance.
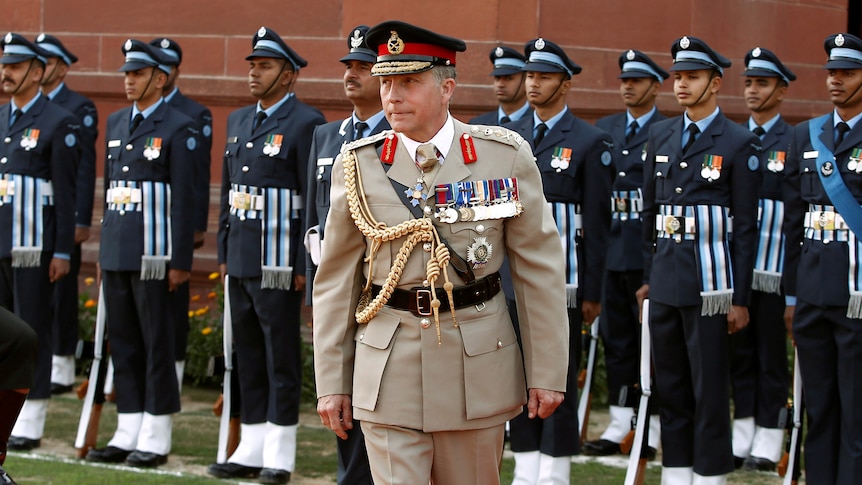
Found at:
(540, 43)
(839, 40)
(498, 52)
(684, 42)
(41, 37)
(630, 55)
(261, 32)
(8, 37)
(128, 44)
(756, 52)
(356, 39)
(395, 44)
(165, 43)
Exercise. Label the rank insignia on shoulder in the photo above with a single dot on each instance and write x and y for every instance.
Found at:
(272, 145)
(388, 154)
(468, 149)
(561, 158)
(855, 163)
(502, 135)
(153, 148)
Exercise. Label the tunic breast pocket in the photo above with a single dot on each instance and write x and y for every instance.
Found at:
(278, 167)
(661, 182)
(809, 182)
(559, 181)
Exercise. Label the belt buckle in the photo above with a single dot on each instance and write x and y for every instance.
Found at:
(122, 195)
(672, 224)
(7, 187)
(242, 201)
(423, 302)
(826, 221)
(621, 204)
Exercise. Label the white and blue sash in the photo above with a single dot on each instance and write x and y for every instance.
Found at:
(153, 200)
(28, 195)
(769, 259)
(568, 219)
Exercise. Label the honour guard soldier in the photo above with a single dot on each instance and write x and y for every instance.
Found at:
(66, 290)
(17, 362)
(758, 363)
(264, 179)
(201, 176)
(38, 165)
(509, 90)
(574, 159)
(701, 172)
(822, 190)
(640, 83)
(363, 91)
(409, 337)
(148, 221)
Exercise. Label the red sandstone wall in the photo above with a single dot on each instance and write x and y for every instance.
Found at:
(216, 36)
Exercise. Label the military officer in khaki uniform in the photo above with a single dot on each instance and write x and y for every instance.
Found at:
(409, 337)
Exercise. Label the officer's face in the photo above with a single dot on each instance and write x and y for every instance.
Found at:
(695, 87)
(763, 93)
(416, 104)
(144, 85)
(359, 85)
(546, 88)
(510, 88)
(845, 87)
(21, 76)
(54, 70)
(268, 77)
(639, 91)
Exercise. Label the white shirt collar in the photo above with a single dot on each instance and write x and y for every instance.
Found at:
(442, 140)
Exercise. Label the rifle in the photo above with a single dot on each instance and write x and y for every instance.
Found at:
(788, 467)
(228, 431)
(585, 380)
(637, 458)
(91, 412)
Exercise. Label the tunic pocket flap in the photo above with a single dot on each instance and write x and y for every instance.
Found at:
(379, 331)
(487, 335)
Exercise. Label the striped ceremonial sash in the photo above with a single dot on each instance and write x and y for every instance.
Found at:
(769, 260)
(156, 202)
(626, 204)
(714, 258)
(835, 229)
(568, 219)
(28, 195)
(854, 276)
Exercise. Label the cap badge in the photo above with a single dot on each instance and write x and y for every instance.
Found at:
(540, 43)
(261, 32)
(684, 42)
(839, 40)
(165, 43)
(8, 37)
(128, 44)
(630, 55)
(395, 44)
(41, 37)
(356, 40)
(498, 52)
(756, 52)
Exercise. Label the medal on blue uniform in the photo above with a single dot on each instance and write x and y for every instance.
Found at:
(30, 139)
(272, 146)
(561, 158)
(775, 161)
(711, 168)
(855, 163)
(153, 148)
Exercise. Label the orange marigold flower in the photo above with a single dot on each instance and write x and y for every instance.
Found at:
(90, 303)
(191, 313)
(214, 275)
(206, 330)
(202, 311)
(196, 297)
(89, 280)
(211, 295)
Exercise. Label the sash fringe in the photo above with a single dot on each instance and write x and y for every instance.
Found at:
(854, 306)
(26, 257)
(276, 277)
(716, 302)
(571, 296)
(766, 282)
(154, 267)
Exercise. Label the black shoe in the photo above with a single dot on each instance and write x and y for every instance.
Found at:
(60, 388)
(650, 453)
(232, 470)
(16, 443)
(753, 463)
(737, 462)
(108, 454)
(271, 475)
(5, 479)
(145, 459)
(601, 448)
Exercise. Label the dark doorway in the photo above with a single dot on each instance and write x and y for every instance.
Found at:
(854, 17)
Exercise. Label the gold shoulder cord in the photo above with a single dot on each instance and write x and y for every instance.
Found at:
(416, 230)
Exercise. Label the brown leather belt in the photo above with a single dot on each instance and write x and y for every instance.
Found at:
(418, 300)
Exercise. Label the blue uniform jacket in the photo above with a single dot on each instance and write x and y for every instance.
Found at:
(671, 268)
(624, 244)
(54, 158)
(239, 242)
(204, 125)
(88, 119)
(123, 233)
(586, 181)
(823, 265)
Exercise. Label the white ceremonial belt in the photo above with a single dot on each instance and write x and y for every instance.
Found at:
(675, 225)
(825, 221)
(124, 195)
(626, 204)
(246, 201)
(7, 188)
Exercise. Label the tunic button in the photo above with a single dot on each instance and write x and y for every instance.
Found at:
(480, 228)
(110, 157)
(4, 160)
(125, 168)
(249, 145)
(227, 152)
(427, 210)
(625, 152)
(499, 344)
(622, 174)
(683, 165)
(129, 147)
(427, 247)
(658, 174)
(361, 336)
(242, 218)
(678, 190)
(122, 213)
(827, 241)
(425, 323)
(245, 168)
(1, 203)
(426, 283)
(7, 140)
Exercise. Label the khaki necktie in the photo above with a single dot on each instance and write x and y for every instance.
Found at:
(426, 156)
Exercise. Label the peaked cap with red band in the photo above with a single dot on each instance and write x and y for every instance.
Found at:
(406, 49)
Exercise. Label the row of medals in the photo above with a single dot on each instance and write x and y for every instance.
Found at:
(478, 210)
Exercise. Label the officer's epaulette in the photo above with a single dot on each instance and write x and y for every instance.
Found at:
(368, 140)
(498, 134)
